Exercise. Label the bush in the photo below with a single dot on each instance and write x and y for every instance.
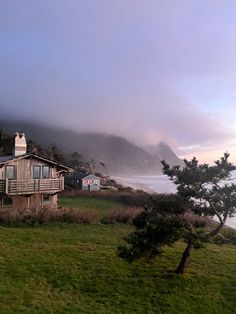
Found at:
(122, 215)
(198, 221)
(46, 215)
(228, 235)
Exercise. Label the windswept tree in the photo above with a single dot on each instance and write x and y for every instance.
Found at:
(202, 190)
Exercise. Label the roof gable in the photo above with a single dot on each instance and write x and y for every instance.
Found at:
(6, 159)
(81, 176)
(91, 176)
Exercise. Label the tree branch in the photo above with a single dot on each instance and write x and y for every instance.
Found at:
(216, 212)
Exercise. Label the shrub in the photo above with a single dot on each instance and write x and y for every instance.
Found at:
(47, 215)
(122, 215)
(198, 221)
(228, 235)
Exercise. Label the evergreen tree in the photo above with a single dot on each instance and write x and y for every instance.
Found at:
(201, 189)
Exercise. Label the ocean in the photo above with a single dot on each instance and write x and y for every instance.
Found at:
(159, 184)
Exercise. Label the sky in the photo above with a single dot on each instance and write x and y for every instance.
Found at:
(149, 70)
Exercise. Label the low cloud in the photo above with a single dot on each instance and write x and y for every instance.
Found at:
(150, 71)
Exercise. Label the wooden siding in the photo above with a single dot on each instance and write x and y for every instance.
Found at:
(34, 201)
(24, 168)
(15, 187)
(24, 182)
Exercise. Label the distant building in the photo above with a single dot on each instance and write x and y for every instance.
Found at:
(83, 181)
(29, 181)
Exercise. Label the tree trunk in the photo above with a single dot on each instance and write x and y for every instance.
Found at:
(185, 258)
(214, 232)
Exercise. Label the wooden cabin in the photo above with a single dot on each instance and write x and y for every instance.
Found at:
(29, 181)
(86, 182)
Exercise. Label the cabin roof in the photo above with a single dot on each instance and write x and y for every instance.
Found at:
(80, 176)
(6, 159)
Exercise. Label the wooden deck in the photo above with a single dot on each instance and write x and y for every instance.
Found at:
(17, 187)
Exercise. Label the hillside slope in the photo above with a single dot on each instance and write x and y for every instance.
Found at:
(164, 152)
(120, 156)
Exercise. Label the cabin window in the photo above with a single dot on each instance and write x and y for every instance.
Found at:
(7, 201)
(46, 198)
(46, 172)
(10, 172)
(36, 172)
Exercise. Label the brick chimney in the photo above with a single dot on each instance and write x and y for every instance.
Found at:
(20, 145)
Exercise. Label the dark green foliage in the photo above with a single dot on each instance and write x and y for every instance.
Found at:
(35, 148)
(79, 164)
(53, 153)
(6, 143)
(158, 225)
(149, 240)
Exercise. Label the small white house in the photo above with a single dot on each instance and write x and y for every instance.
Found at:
(86, 182)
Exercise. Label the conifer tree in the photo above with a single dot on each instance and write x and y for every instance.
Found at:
(202, 190)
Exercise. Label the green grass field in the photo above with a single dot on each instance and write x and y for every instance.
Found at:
(99, 205)
(74, 269)
(69, 268)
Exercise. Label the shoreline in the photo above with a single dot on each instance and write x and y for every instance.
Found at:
(158, 184)
(150, 184)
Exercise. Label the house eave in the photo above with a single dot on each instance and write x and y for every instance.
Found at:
(63, 168)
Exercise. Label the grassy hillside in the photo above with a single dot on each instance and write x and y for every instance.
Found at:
(74, 269)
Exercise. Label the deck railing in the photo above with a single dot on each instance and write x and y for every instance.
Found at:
(2, 186)
(15, 187)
